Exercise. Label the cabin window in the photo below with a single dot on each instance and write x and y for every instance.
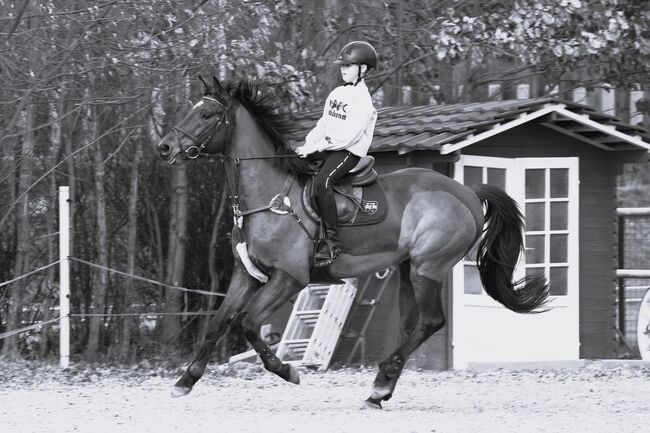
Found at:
(474, 175)
(546, 197)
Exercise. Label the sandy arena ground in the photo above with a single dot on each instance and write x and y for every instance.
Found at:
(245, 398)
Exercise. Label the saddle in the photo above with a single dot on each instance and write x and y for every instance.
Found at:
(360, 196)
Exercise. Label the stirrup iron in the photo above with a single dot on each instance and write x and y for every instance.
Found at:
(320, 260)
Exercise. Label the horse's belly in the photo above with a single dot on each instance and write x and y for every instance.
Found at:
(352, 266)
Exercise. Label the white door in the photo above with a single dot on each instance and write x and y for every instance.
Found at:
(482, 329)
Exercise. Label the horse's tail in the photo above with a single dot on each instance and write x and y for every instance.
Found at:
(498, 253)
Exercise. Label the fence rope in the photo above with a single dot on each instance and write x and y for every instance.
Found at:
(29, 273)
(182, 313)
(147, 280)
(28, 328)
(47, 322)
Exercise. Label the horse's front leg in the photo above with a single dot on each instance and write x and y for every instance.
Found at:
(241, 288)
(279, 289)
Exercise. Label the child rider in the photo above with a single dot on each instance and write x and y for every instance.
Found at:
(340, 138)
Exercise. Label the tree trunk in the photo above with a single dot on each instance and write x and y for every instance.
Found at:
(215, 274)
(399, 81)
(176, 253)
(23, 238)
(537, 84)
(177, 229)
(7, 198)
(127, 323)
(98, 299)
(622, 102)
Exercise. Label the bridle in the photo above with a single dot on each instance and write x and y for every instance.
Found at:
(198, 148)
(198, 145)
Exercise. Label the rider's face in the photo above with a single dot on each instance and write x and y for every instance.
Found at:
(350, 73)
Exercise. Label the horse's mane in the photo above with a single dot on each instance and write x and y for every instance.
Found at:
(276, 125)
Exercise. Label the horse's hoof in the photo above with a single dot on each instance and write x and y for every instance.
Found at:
(294, 377)
(180, 391)
(373, 403)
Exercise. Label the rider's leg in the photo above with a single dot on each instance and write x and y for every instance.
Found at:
(336, 165)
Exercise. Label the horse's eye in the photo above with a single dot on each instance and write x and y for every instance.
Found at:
(206, 114)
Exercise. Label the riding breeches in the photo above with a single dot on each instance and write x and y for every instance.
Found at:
(336, 164)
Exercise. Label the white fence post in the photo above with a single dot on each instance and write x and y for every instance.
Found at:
(64, 275)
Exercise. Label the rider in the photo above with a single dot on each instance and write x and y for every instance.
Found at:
(341, 137)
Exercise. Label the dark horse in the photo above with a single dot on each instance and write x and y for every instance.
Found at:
(432, 223)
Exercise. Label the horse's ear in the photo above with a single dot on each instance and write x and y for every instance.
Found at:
(216, 84)
(206, 87)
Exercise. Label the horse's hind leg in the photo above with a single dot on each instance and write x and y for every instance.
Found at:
(279, 289)
(408, 307)
(241, 288)
(408, 317)
(430, 318)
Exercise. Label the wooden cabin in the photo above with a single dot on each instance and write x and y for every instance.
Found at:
(560, 161)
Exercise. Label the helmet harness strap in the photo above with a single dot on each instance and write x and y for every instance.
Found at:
(359, 77)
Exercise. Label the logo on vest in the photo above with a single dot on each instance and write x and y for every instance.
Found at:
(338, 109)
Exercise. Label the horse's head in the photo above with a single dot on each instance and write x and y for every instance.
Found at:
(203, 130)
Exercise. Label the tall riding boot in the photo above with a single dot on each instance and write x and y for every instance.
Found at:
(328, 248)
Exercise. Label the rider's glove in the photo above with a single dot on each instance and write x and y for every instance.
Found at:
(305, 150)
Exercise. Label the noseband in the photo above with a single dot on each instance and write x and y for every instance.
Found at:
(198, 145)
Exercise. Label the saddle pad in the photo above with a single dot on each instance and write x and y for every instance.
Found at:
(374, 195)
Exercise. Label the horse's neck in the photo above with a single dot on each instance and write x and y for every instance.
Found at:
(258, 179)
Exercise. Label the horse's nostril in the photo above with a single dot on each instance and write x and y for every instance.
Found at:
(164, 149)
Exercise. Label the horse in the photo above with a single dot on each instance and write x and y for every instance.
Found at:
(432, 222)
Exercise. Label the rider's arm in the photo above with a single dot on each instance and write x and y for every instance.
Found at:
(317, 134)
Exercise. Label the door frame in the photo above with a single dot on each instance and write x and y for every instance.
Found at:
(515, 187)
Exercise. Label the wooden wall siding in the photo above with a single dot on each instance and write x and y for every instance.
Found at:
(598, 171)
(597, 265)
(382, 335)
(385, 162)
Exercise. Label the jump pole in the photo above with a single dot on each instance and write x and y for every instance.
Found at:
(64, 276)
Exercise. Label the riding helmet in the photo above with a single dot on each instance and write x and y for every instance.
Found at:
(358, 52)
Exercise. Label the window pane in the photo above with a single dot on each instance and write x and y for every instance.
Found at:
(473, 284)
(558, 281)
(535, 183)
(535, 249)
(559, 182)
(472, 175)
(497, 177)
(534, 217)
(559, 215)
(559, 248)
(533, 272)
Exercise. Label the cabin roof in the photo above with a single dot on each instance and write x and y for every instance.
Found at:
(448, 128)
